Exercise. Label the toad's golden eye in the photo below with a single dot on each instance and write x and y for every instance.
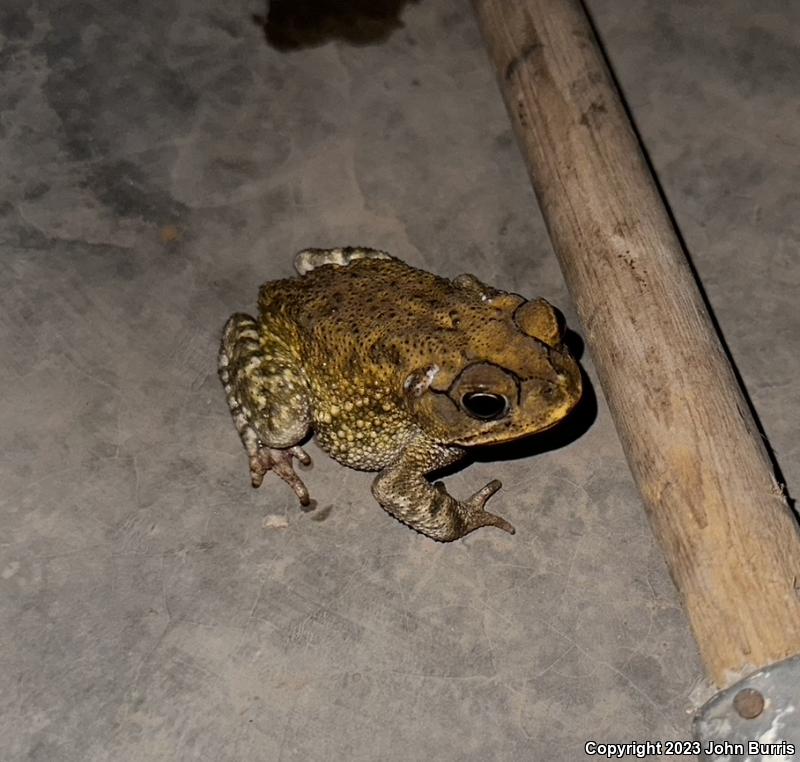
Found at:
(485, 406)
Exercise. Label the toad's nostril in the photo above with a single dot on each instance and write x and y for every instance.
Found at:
(549, 391)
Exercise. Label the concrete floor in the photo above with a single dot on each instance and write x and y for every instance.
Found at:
(160, 159)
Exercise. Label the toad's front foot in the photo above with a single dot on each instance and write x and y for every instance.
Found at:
(280, 461)
(473, 513)
(429, 508)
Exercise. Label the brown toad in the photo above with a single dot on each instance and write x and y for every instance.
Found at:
(396, 370)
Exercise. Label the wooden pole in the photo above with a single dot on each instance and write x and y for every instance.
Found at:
(729, 537)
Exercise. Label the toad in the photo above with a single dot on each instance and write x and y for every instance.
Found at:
(395, 370)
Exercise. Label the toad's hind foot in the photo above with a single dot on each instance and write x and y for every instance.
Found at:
(309, 259)
(280, 461)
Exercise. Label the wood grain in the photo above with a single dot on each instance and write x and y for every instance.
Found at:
(729, 537)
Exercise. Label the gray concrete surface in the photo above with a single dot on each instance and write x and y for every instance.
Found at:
(160, 159)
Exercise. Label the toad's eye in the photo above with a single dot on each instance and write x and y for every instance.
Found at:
(485, 406)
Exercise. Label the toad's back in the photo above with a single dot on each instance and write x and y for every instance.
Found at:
(375, 314)
(363, 295)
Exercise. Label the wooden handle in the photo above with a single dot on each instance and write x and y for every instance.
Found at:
(730, 539)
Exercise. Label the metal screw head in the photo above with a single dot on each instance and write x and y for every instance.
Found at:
(749, 703)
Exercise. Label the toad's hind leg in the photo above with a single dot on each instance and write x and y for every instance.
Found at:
(267, 402)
